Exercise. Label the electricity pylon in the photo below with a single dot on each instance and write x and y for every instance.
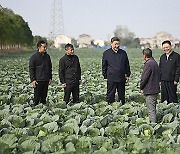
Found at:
(56, 20)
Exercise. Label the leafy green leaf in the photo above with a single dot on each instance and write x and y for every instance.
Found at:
(70, 147)
(167, 118)
(9, 139)
(51, 127)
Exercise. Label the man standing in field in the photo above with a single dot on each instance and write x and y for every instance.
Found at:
(169, 73)
(149, 84)
(40, 70)
(70, 74)
(116, 71)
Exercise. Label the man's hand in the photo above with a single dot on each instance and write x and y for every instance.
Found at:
(142, 91)
(64, 85)
(50, 81)
(175, 82)
(34, 83)
(127, 79)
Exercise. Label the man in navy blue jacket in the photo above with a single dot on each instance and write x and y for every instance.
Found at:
(116, 71)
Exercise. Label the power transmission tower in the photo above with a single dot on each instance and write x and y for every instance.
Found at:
(56, 20)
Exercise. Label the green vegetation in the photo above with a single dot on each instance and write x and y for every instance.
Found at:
(91, 126)
(14, 31)
(127, 38)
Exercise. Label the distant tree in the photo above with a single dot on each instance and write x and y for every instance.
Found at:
(135, 43)
(28, 35)
(106, 43)
(3, 29)
(74, 42)
(7, 11)
(123, 32)
(50, 43)
(127, 37)
(14, 31)
(177, 45)
(38, 38)
(92, 43)
(126, 41)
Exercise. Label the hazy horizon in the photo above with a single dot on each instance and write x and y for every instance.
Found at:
(99, 18)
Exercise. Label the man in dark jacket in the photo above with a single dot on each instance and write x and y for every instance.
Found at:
(169, 73)
(40, 70)
(116, 71)
(70, 74)
(149, 84)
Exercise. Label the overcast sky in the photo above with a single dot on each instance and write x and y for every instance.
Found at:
(99, 18)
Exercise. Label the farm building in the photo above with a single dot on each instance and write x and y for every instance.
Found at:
(84, 41)
(99, 43)
(61, 40)
(156, 41)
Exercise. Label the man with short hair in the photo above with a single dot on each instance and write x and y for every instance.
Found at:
(169, 73)
(40, 70)
(70, 74)
(115, 70)
(149, 84)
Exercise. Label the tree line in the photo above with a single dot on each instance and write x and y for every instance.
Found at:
(14, 31)
(127, 38)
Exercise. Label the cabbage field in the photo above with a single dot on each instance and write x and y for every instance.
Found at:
(91, 126)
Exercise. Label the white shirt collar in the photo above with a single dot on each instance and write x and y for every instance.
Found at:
(168, 54)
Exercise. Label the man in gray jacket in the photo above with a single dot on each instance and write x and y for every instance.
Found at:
(149, 84)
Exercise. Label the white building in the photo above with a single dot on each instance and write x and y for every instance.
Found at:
(61, 40)
(162, 36)
(84, 41)
(99, 42)
(156, 41)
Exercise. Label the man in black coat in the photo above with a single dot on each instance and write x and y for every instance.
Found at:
(40, 70)
(116, 71)
(169, 73)
(70, 74)
(149, 84)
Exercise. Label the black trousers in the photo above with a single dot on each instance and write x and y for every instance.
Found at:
(40, 92)
(111, 90)
(74, 89)
(168, 92)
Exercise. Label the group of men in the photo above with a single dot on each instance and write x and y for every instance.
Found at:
(40, 70)
(116, 72)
